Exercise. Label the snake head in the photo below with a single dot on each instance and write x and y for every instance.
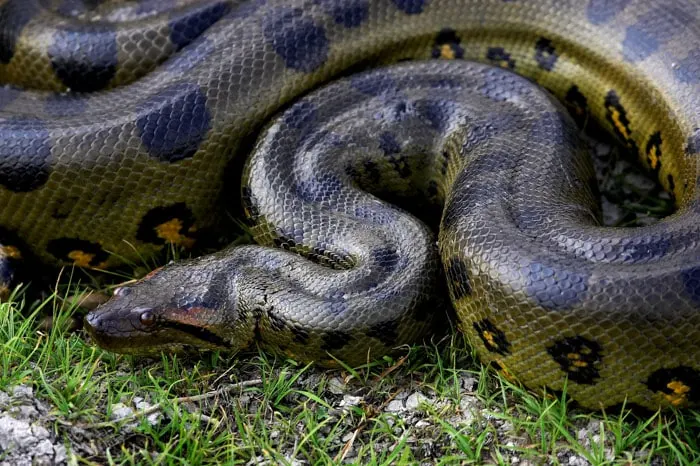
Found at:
(175, 308)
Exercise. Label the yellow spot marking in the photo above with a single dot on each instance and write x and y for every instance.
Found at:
(489, 337)
(10, 251)
(618, 124)
(504, 371)
(680, 393)
(170, 232)
(447, 52)
(653, 157)
(576, 359)
(81, 258)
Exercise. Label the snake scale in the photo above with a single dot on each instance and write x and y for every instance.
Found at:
(119, 123)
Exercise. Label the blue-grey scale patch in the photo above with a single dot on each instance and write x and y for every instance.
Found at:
(688, 69)
(65, 105)
(84, 59)
(529, 217)
(477, 133)
(374, 84)
(303, 117)
(492, 85)
(387, 258)
(692, 145)
(14, 15)
(603, 11)
(411, 7)
(184, 62)
(551, 127)
(437, 113)
(651, 30)
(247, 9)
(691, 283)
(25, 154)
(8, 95)
(553, 287)
(378, 213)
(174, 122)
(445, 83)
(184, 29)
(349, 13)
(319, 189)
(297, 39)
(643, 249)
(389, 144)
(152, 7)
(485, 173)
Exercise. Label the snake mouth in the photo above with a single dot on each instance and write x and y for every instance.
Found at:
(117, 334)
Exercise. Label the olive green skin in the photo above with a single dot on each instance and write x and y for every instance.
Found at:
(539, 288)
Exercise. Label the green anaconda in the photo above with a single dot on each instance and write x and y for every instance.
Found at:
(140, 111)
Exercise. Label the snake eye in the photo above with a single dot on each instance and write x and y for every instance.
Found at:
(147, 318)
(121, 291)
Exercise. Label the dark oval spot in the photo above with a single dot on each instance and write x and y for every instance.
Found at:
(85, 59)
(25, 154)
(411, 7)
(553, 287)
(184, 29)
(300, 42)
(349, 13)
(174, 122)
(14, 16)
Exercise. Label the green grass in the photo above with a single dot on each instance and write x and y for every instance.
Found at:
(291, 412)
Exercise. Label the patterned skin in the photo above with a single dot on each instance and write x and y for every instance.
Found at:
(539, 287)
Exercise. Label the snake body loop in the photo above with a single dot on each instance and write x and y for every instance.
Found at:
(541, 290)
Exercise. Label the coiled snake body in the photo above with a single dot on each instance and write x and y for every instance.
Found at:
(95, 178)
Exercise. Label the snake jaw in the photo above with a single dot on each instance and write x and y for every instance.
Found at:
(156, 314)
(144, 330)
(126, 332)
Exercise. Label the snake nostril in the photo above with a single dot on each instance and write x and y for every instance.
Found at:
(122, 291)
(92, 320)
